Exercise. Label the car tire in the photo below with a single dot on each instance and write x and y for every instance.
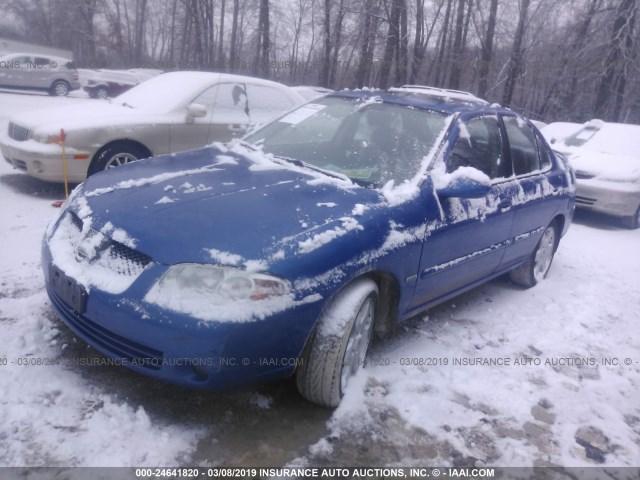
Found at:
(60, 88)
(535, 269)
(633, 221)
(115, 155)
(338, 345)
(102, 93)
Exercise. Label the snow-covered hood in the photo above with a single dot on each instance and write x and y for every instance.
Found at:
(206, 206)
(604, 165)
(95, 115)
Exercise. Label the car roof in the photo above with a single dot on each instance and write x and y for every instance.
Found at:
(40, 55)
(419, 99)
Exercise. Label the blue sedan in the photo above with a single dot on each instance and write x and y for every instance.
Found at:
(284, 253)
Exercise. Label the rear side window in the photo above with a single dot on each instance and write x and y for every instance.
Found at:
(479, 145)
(522, 146)
(41, 62)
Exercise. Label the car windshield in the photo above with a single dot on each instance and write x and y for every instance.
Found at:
(615, 139)
(369, 141)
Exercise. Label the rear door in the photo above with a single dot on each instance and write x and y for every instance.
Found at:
(532, 207)
(41, 72)
(470, 241)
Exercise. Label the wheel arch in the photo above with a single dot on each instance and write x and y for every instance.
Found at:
(130, 141)
(387, 305)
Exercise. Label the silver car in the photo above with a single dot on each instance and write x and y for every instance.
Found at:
(606, 160)
(31, 71)
(169, 113)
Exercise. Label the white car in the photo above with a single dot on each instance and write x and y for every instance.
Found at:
(606, 160)
(31, 71)
(168, 113)
(556, 131)
(309, 93)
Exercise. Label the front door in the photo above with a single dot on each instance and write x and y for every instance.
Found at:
(469, 241)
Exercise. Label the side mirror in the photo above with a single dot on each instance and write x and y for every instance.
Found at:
(465, 185)
(195, 110)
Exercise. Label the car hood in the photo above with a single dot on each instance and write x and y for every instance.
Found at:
(87, 115)
(604, 165)
(221, 207)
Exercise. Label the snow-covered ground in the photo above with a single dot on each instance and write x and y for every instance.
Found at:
(549, 398)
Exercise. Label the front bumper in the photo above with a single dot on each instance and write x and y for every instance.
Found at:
(613, 198)
(44, 161)
(179, 349)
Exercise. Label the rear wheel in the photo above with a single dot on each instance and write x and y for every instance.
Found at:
(535, 269)
(115, 155)
(60, 88)
(339, 344)
(633, 221)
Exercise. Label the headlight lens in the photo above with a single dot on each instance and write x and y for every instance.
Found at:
(47, 138)
(194, 288)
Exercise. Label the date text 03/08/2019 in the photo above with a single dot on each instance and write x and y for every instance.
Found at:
(314, 472)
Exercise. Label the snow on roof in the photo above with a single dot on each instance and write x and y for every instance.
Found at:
(440, 92)
(169, 91)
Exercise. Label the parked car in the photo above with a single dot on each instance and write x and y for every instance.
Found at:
(169, 113)
(109, 83)
(606, 159)
(556, 131)
(30, 71)
(282, 253)
(309, 93)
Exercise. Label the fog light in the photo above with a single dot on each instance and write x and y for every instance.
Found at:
(38, 166)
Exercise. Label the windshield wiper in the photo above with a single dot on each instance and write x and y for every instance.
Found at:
(125, 104)
(329, 173)
(301, 164)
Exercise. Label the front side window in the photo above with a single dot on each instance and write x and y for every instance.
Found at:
(479, 145)
(227, 101)
(522, 146)
(367, 140)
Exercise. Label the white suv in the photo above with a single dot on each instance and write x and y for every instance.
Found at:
(56, 75)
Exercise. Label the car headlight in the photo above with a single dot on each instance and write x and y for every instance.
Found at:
(46, 137)
(196, 289)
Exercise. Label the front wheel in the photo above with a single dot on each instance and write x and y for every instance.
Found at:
(535, 269)
(338, 345)
(102, 93)
(115, 155)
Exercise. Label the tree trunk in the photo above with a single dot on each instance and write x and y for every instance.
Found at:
(516, 61)
(614, 75)
(487, 49)
(456, 64)
(234, 36)
(391, 45)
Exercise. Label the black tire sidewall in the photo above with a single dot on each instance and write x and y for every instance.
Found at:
(99, 163)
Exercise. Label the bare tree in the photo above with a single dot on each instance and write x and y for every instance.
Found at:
(516, 61)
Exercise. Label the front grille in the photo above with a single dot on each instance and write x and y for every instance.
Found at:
(584, 175)
(585, 200)
(19, 133)
(119, 258)
(119, 347)
(127, 260)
